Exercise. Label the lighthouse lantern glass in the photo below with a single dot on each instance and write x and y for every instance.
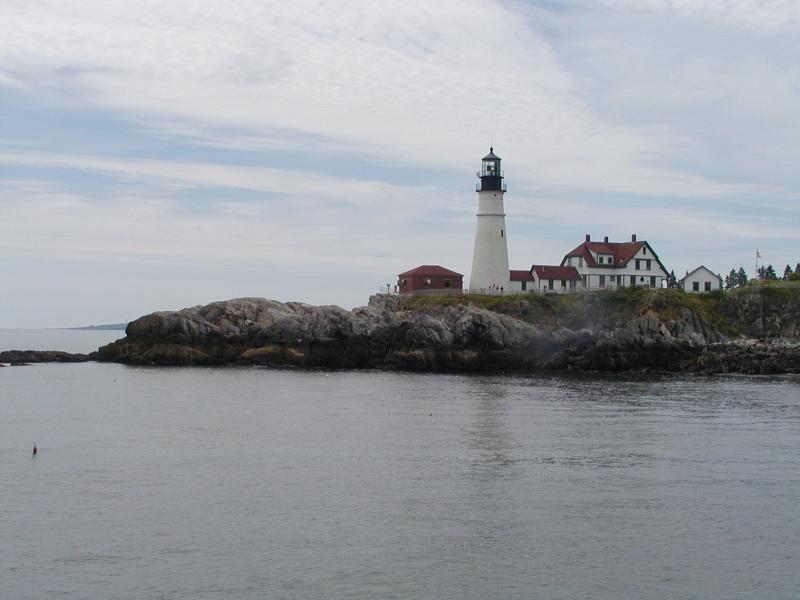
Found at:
(491, 167)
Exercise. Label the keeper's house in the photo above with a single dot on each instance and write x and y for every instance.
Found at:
(616, 264)
(429, 277)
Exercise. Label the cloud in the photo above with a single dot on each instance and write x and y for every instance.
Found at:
(191, 174)
(761, 14)
(340, 138)
(417, 83)
(46, 219)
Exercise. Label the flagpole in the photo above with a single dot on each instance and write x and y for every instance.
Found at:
(757, 256)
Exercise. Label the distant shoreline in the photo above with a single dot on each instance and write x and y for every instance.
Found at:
(109, 327)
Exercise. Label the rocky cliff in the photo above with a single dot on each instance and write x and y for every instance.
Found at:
(609, 331)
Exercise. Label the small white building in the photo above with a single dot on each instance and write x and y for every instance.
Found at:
(701, 281)
(545, 278)
(552, 278)
(616, 264)
(520, 281)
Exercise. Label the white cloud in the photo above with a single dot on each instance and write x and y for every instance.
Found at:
(46, 220)
(764, 14)
(428, 84)
(191, 174)
(674, 119)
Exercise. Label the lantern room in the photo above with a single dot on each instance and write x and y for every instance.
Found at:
(491, 175)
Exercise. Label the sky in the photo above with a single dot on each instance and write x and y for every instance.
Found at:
(156, 155)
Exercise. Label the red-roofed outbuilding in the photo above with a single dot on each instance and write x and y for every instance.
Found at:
(429, 277)
(554, 278)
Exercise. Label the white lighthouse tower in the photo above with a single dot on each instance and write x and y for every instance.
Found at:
(490, 254)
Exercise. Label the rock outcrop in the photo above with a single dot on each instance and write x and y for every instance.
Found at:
(20, 357)
(390, 334)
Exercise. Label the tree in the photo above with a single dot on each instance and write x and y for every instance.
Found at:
(770, 274)
(761, 272)
(797, 269)
(730, 280)
(787, 272)
(672, 281)
(741, 277)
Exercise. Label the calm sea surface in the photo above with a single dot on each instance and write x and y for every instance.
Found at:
(257, 483)
(68, 340)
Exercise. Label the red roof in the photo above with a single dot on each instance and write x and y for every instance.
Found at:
(555, 272)
(622, 253)
(431, 271)
(520, 276)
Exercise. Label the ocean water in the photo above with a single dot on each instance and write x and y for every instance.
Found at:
(257, 483)
(67, 340)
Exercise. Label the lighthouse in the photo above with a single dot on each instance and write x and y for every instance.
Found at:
(490, 253)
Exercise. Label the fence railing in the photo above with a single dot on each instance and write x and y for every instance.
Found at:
(580, 290)
(487, 292)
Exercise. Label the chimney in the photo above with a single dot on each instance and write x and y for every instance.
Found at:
(588, 238)
(605, 240)
(633, 237)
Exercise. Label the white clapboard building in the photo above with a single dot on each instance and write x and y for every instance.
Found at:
(701, 281)
(616, 264)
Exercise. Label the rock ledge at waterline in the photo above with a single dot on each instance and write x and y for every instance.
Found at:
(605, 331)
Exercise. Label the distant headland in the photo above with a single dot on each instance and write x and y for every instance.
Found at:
(108, 327)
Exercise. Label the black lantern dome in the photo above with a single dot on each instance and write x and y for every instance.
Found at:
(491, 175)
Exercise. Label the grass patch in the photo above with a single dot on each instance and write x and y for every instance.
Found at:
(730, 313)
(550, 311)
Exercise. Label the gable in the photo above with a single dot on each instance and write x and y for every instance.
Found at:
(621, 253)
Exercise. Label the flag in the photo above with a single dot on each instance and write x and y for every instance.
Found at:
(758, 255)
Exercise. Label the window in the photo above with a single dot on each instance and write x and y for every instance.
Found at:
(600, 259)
(707, 285)
(638, 264)
(428, 283)
(580, 261)
(613, 278)
(501, 233)
(653, 281)
(447, 283)
(524, 286)
(563, 284)
(648, 263)
(602, 281)
(695, 286)
(644, 250)
(550, 284)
